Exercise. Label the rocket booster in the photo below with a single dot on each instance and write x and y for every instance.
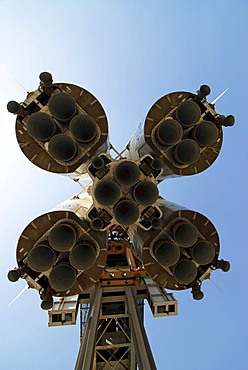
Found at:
(60, 127)
(183, 251)
(59, 253)
(183, 130)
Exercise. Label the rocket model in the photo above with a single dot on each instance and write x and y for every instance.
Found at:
(63, 128)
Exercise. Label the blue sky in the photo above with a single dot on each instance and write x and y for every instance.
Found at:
(129, 54)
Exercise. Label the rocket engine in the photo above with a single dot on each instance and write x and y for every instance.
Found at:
(63, 128)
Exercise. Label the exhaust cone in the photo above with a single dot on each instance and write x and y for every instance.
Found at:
(166, 253)
(97, 163)
(145, 193)
(204, 91)
(13, 275)
(41, 126)
(157, 223)
(205, 133)
(198, 295)
(83, 256)
(169, 132)
(62, 106)
(126, 212)
(229, 120)
(187, 152)
(62, 277)
(127, 173)
(83, 127)
(41, 258)
(157, 164)
(225, 266)
(46, 304)
(203, 252)
(185, 234)
(62, 147)
(188, 113)
(62, 237)
(46, 78)
(185, 271)
(96, 224)
(107, 193)
(13, 107)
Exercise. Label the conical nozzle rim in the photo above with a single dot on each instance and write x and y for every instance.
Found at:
(62, 237)
(62, 148)
(127, 173)
(185, 272)
(83, 128)
(166, 253)
(188, 113)
(126, 212)
(186, 152)
(145, 193)
(83, 255)
(41, 258)
(169, 132)
(62, 277)
(41, 126)
(107, 192)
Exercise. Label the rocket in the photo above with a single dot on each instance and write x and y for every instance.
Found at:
(62, 128)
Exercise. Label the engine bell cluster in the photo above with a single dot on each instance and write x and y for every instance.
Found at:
(63, 128)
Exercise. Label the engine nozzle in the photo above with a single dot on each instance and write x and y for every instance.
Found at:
(13, 107)
(127, 173)
(62, 277)
(41, 258)
(203, 252)
(145, 193)
(46, 78)
(185, 234)
(185, 271)
(166, 252)
(83, 128)
(126, 212)
(203, 91)
(47, 299)
(62, 237)
(188, 113)
(62, 106)
(14, 275)
(205, 133)
(41, 126)
(186, 152)
(96, 224)
(97, 163)
(83, 255)
(169, 132)
(62, 147)
(107, 192)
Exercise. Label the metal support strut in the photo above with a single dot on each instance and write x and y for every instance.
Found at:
(114, 336)
(86, 350)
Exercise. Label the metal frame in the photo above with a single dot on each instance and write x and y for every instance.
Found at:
(112, 339)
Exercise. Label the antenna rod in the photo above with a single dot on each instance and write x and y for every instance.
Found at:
(18, 295)
(216, 285)
(215, 100)
(16, 82)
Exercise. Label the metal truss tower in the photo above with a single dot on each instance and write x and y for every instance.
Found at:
(112, 334)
